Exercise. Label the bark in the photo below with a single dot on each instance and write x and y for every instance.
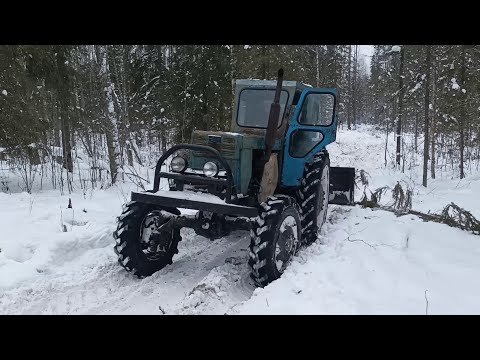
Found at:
(349, 119)
(434, 104)
(111, 154)
(63, 99)
(427, 105)
(400, 106)
(462, 114)
(416, 131)
(263, 68)
(354, 90)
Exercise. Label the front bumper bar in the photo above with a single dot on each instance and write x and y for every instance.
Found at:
(227, 182)
(193, 201)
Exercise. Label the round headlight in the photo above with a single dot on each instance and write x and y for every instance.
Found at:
(178, 164)
(210, 169)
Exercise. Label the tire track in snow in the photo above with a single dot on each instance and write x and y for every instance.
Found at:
(205, 278)
(94, 283)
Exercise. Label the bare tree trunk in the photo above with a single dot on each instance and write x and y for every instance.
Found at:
(416, 131)
(434, 104)
(88, 144)
(427, 106)
(111, 129)
(233, 73)
(263, 69)
(354, 90)
(349, 92)
(387, 133)
(124, 102)
(129, 153)
(112, 159)
(462, 114)
(400, 105)
(164, 141)
(133, 145)
(63, 96)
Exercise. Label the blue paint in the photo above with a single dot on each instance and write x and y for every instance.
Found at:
(292, 170)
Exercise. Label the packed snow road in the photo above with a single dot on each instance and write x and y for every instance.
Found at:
(76, 272)
(55, 260)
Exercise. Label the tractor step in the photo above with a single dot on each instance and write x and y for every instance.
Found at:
(195, 201)
(342, 186)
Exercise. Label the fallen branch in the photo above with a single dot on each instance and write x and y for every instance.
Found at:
(465, 220)
(451, 215)
(354, 240)
(137, 176)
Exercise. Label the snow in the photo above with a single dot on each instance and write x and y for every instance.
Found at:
(56, 260)
(4, 92)
(396, 48)
(455, 86)
(376, 269)
(417, 86)
(190, 195)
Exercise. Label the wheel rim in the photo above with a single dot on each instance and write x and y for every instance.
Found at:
(323, 201)
(154, 247)
(286, 242)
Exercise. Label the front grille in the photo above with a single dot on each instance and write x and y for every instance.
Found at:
(226, 147)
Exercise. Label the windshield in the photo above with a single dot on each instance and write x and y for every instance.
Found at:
(254, 107)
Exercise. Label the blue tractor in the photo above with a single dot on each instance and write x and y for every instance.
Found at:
(271, 175)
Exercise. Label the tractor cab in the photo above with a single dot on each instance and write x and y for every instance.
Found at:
(306, 124)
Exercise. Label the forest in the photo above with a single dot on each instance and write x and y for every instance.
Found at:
(86, 116)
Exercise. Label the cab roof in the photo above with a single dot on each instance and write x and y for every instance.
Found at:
(271, 83)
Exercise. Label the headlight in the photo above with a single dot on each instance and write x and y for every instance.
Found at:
(178, 164)
(210, 169)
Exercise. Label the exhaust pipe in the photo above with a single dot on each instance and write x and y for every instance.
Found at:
(273, 119)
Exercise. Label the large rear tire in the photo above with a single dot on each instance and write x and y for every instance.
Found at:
(313, 196)
(275, 236)
(140, 249)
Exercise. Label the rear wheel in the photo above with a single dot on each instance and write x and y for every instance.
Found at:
(274, 238)
(142, 242)
(313, 196)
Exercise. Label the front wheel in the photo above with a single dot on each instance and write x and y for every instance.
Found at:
(142, 242)
(274, 238)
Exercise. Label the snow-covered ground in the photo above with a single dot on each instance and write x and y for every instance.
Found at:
(365, 262)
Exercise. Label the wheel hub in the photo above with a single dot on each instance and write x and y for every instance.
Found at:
(153, 239)
(286, 243)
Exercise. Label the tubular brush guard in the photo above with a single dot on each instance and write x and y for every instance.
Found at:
(191, 200)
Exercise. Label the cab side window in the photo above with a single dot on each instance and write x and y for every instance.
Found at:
(317, 110)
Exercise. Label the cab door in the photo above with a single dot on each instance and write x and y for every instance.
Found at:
(313, 127)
